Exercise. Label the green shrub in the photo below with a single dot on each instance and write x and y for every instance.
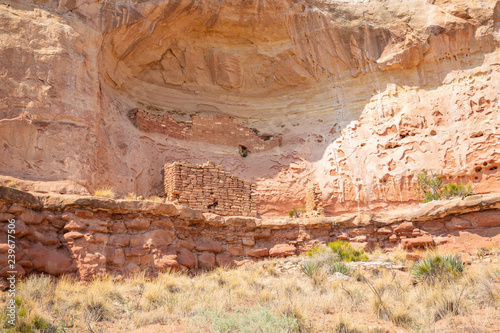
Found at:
(346, 252)
(454, 190)
(431, 187)
(310, 267)
(314, 251)
(339, 267)
(437, 266)
(293, 213)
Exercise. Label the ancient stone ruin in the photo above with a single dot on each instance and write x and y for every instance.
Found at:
(314, 201)
(209, 188)
(218, 129)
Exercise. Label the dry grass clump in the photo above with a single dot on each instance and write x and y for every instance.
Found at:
(258, 298)
(105, 192)
(133, 196)
(155, 198)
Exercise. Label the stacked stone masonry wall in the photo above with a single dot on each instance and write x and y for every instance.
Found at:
(217, 129)
(89, 236)
(209, 188)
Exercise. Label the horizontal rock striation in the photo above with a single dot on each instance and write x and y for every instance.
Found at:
(362, 95)
(90, 236)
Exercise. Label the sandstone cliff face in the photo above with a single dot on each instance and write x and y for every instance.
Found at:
(361, 94)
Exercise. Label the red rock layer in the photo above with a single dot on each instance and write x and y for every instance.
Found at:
(89, 236)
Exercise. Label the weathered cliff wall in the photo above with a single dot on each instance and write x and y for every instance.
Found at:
(363, 94)
(89, 236)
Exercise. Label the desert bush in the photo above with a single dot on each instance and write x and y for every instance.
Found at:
(339, 267)
(310, 267)
(431, 187)
(436, 266)
(315, 251)
(105, 192)
(454, 190)
(346, 252)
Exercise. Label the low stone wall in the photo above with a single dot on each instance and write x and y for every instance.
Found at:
(209, 188)
(89, 236)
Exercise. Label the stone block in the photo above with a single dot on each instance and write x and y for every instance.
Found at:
(457, 224)
(206, 261)
(210, 246)
(258, 253)
(282, 250)
(417, 242)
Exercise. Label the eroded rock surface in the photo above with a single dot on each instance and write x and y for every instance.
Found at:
(360, 95)
(88, 238)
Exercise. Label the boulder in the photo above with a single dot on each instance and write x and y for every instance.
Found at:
(158, 238)
(417, 242)
(186, 258)
(165, 262)
(248, 241)
(384, 231)
(6, 216)
(224, 260)
(138, 223)
(206, 261)
(282, 250)
(210, 246)
(31, 217)
(235, 250)
(50, 261)
(404, 227)
(258, 253)
(18, 269)
(21, 229)
(457, 223)
(119, 240)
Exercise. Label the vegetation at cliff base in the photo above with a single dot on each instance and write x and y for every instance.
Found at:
(275, 295)
(431, 187)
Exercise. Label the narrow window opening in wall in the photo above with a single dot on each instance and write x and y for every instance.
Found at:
(243, 151)
(213, 205)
